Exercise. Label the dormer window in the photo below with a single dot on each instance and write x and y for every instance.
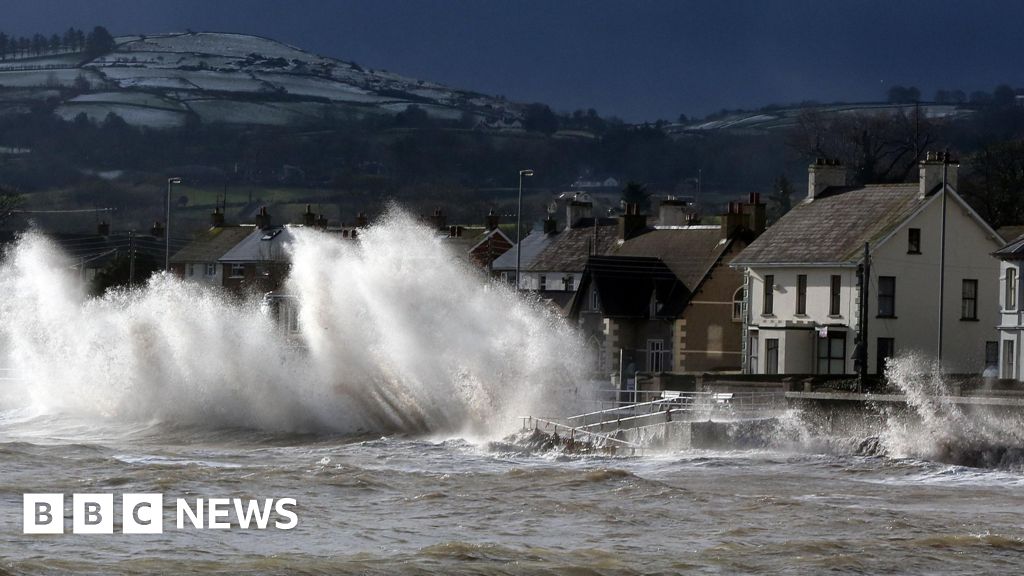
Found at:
(654, 305)
(914, 241)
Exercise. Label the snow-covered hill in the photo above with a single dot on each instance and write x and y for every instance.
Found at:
(158, 81)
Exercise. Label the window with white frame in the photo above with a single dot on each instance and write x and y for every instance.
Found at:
(1010, 297)
(752, 365)
(211, 269)
(737, 304)
(542, 283)
(1009, 371)
(655, 355)
(238, 270)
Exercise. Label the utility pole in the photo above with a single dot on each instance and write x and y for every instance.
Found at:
(942, 257)
(519, 226)
(865, 285)
(131, 258)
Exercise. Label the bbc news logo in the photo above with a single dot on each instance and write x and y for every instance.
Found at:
(144, 514)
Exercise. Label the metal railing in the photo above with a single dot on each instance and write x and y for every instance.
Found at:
(600, 440)
(623, 408)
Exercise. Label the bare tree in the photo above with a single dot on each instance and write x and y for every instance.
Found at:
(993, 183)
(880, 147)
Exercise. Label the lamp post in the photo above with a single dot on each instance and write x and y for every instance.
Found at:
(167, 226)
(519, 225)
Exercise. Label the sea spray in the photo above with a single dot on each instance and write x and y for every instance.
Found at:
(396, 334)
(939, 429)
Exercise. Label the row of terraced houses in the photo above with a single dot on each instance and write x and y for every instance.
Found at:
(849, 278)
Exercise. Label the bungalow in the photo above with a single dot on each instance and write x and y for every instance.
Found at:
(199, 260)
(805, 310)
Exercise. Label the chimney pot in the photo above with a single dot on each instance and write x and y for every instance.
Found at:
(822, 175)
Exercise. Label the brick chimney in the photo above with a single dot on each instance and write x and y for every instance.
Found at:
(550, 225)
(577, 210)
(492, 220)
(733, 219)
(103, 228)
(672, 212)
(632, 222)
(216, 218)
(308, 217)
(755, 213)
(263, 218)
(931, 173)
(361, 220)
(823, 174)
(438, 220)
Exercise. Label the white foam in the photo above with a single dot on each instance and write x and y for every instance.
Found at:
(401, 336)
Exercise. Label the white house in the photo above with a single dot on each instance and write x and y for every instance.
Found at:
(803, 297)
(1011, 321)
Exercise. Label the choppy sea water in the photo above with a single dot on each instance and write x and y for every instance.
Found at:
(397, 504)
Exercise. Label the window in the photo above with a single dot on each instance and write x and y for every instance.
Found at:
(737, 304)
(237, 270)
(914, 241)
(655, 355)
(1011, 289)
(886, 349)
(832, 353)
(991, 355)
(801, 294)
(886, 296)
(752, 365)
(769, 296)
(211, 269)
(771, 356)
(1008, 368)
(568, 283)
(595, 301)
(969, 301)
(835, 291)
(543, 282)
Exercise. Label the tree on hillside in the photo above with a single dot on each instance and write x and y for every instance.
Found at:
(903, 94)
(993, 183)
(781, 199)
(99, 42)
(540, 118)
(1004, 96)
(636, 193)
(9, 201)
(883, 147)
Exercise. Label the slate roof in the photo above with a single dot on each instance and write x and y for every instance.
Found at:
(569, 249)
(532, 245)
(687, 251)
(261, 246)
(834, 226)
(625, 285)
(1012, 251)
(1010, 233)
(212, 244)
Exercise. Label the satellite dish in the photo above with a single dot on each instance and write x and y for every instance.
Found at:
(553, 207)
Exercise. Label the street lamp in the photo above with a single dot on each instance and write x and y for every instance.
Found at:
(519, 224)
(167, 226)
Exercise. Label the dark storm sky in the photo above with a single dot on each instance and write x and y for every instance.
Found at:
(639, 60)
